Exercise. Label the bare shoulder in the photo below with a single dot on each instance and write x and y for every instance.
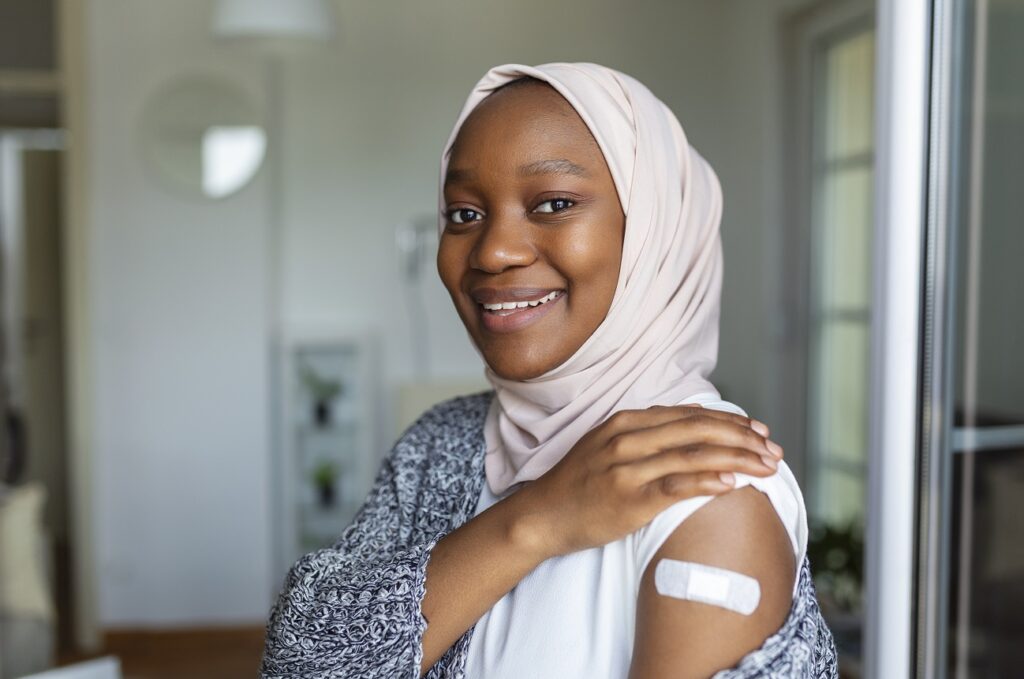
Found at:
(741, 532)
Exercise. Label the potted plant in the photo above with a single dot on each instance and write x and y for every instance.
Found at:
(323, 391)
(324, 475)
(837, 553)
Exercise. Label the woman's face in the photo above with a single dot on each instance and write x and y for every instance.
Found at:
(531, 250)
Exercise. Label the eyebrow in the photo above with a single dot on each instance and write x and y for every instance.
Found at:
(552, 166)
(557, 166)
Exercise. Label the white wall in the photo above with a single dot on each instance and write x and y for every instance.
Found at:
(177, 295)
(178, 288)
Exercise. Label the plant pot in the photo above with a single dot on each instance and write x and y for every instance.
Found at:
(325, 494)
(322, 413)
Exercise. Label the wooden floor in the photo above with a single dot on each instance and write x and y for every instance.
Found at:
(184, 654)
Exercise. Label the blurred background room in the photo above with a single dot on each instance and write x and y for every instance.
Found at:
(220, 308)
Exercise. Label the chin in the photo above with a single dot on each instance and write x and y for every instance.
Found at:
(517, 375)
(519, 356)
(514, 367)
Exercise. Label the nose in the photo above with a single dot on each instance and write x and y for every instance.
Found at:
(505, 241)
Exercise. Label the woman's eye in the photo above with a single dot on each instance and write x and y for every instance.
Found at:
(554, 205)
(463, 214)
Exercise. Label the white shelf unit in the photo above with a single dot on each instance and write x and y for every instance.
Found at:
(326, 455)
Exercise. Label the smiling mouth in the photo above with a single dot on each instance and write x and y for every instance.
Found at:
(510, 308)
(500, 316)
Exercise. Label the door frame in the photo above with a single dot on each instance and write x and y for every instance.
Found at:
(73, 63)
(901, 142)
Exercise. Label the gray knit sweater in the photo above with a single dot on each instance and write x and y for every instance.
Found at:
(353, 610)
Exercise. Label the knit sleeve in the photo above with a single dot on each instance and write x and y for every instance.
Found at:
(353, 609)
(803, 648)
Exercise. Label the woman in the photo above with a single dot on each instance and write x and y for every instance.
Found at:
(579, 244)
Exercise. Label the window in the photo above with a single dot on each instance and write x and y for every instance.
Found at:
(840, 292)
(832, 130)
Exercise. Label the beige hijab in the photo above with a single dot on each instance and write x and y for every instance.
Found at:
(659, 341)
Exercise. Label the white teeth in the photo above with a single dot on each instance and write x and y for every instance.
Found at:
(498, 306)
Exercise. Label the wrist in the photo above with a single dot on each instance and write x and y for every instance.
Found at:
(529, 527)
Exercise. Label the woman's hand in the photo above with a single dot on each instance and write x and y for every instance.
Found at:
(624, 472)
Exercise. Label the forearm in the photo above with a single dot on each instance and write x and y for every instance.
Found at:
(471, 568)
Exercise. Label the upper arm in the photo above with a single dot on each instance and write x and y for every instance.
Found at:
(739, 531)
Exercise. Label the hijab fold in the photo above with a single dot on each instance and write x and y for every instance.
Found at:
(659, 341)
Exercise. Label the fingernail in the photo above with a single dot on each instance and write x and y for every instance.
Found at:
(760, 427)
(774, 448)
(770, 462)
(727, 478)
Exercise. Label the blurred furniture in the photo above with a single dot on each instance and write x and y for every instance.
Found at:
(27, 617)
(327, 448)
(100, 668)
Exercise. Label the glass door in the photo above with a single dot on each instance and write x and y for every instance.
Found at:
(946, 516)
(945, 547)
(978, 377)
(944, 550)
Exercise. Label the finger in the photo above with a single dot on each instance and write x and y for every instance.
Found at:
(705, 426)
(631, 420)
(626, 421)
(757, 425)
(705, 458)
(681, 486)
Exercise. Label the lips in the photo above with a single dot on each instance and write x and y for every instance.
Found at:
(502, 295)
(510, 309)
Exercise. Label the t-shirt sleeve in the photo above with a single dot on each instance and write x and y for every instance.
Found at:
(781, 488)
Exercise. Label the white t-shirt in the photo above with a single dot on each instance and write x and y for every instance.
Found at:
(573, 616)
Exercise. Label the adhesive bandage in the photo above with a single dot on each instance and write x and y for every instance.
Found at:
(707, 584)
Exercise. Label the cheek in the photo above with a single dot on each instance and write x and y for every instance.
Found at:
(450, 263)
(591, 261)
